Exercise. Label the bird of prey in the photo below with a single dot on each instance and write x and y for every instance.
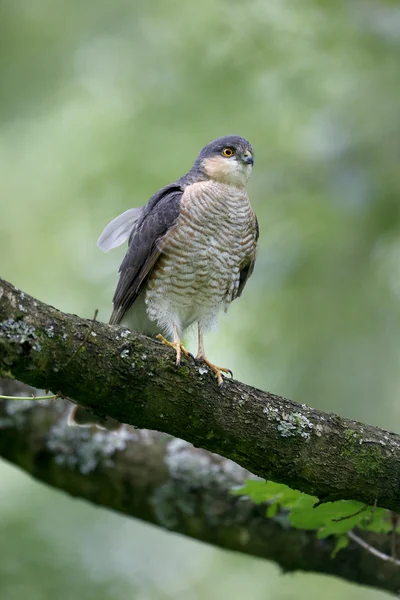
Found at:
(191, 249)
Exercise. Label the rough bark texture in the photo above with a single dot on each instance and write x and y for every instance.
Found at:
(168, 482)
(133, 379)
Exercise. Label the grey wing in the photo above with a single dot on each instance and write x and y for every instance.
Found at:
(248, 268)
(145, 246)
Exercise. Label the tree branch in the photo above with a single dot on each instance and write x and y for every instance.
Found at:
(133, 379)
(169, 483)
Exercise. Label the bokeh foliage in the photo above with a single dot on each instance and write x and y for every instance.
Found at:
(303, 511)
(102, 103)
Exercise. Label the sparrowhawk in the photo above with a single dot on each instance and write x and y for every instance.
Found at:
(191, 249)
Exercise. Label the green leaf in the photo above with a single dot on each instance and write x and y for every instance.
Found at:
(263, 491)
(303, 515)
(342, 541)
(334, 528)
(272, 509)
(282, 494)
(256, 490)
(378, 522)
(331, 517)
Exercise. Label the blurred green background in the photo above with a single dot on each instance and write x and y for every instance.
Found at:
(101, 104)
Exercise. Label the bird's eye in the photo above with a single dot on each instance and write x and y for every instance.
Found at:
(228, 152)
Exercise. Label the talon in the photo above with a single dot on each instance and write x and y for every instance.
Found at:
(216, 370)
(178, 347)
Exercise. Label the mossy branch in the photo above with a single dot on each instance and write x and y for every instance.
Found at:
(133, 379)
(167, 482)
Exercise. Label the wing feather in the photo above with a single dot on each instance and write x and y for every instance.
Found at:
(248, 268)
(118, 230)
(145, 246)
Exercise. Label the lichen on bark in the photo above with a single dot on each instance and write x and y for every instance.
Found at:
(132, 378)
(172, 484)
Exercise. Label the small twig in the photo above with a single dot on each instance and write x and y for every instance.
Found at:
(372, 549)
(85, 339)
(30, 397)
(362, 509)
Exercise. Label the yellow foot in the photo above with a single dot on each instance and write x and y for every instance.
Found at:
(178, 347)
(216, 370)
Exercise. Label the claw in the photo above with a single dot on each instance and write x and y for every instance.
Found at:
(216, 370)
(178, 347)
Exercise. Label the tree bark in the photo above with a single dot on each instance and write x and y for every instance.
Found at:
(168, 482)
(133, 379)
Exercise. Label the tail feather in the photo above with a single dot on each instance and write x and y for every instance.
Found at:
(135, 318)
(116, 317)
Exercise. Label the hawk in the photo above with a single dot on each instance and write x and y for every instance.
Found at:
(191, 249)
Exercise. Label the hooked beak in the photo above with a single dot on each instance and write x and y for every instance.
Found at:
(248, 158)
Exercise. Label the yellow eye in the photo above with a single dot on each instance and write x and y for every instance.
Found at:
(228, 152)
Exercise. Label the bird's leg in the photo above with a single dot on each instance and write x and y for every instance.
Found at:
(177, 345)
(200, 344)
(201, 357)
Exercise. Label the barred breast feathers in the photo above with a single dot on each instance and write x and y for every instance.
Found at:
(199, 270)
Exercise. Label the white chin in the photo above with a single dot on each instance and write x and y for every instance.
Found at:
(240, 173)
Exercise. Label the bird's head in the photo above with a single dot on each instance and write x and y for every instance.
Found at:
(227, 159)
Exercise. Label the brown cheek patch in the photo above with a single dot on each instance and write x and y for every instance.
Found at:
(217, 168)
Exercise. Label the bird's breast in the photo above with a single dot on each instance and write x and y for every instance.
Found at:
(203, 254)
